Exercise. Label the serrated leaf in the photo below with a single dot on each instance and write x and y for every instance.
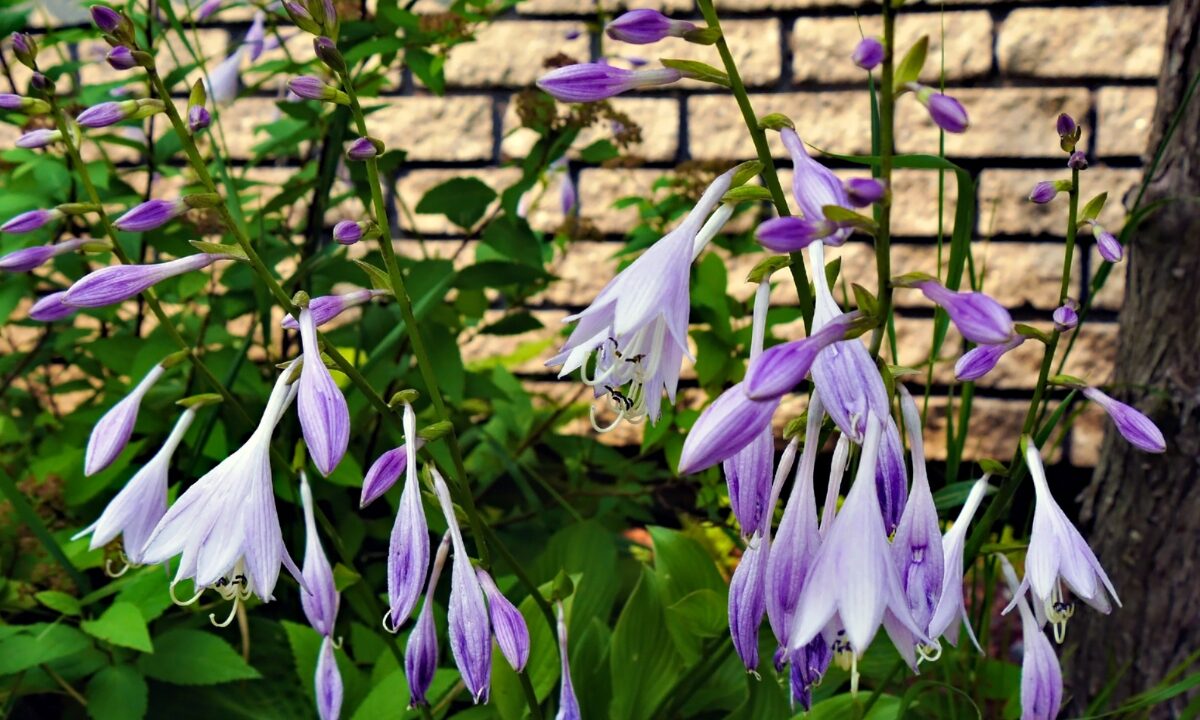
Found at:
(38, 645)
(697, 71)
(121, 624)
(909, 68)
(117, 693)
(192, 657)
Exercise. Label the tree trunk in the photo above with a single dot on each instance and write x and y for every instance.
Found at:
(1144, 509)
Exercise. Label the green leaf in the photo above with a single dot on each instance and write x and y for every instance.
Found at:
(498, 273)
(910, 67)
(387, 700)
(1091, 211)
(513, 324)
(643, 661)
(954, 494)
(598, 152)
(192, 657)
(40, 644)
(746, 193)
(682, 565)
(59, 601)
(379, 278)
(462, 200)
(702, 613)
(121, 624)
(849, 707)
(698, 71)
(117, 693)
(306, 646)
(512, 239)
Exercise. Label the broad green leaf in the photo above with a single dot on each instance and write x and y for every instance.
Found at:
(40, 644)
(388, 700)
(498, 273)
(59, 601)
(192, 657)
(682, 565)
(702, 613)
(643, 660)
(849, 707)
(145, 589)
(117, 693)
(462, 200)
(121, 624)
(587, 549)
(511, 239)
(306, 646)
(513, 324)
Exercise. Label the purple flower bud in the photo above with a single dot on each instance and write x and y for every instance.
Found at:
(792, 234)
(1043, 192)
(312, 88)
(302, 17)
(51, 308)
(814, 186)
(24, 47)
(748, 479)
(198, 118)
(384, 473)
(326, 307)
(9, 101)
(255, 35)
(120, 58)
(568, 704)
(324, 415)
(978, 317)
(105, 114)
(320, 602)
(1078, 160)
(590, 82)
(781, 368)
(643, 26)
(30, 221)
(747, 601)
(508, 624)
(979, 361)
(1066, 317)
(111, 434)
(328, 683)
(726, 426)
(363, 148)
(29, 258)
(947, 113)
(790, 553)
(1110, 248)
(347, 232)
(106, 18)
(868, 53)
(207, 9)
(568, 199)
(327, 51)
(40, 82)
(408, 553)
(809, 664)
(1065, 125)
(150, 215)
(1135, 427)
(862, 192)
(421, 654)
(39, 138)
(116, 283)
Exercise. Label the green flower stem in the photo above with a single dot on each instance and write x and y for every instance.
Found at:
(883, 237)
(759, 137)
(420, 351)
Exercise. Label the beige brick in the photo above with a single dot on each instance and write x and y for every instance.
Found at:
(415, 184)
(1005, 208)
(436, 128)
(1123, 120)
(994, 430)
(589, 7)
(1073, 42)
(755, 45)
(657, 117)
(821, 47)
(599, 188)
(511, 53)
(1112, 294)
(1087, 435)
(837, 121)
(241, 122)
(479, 348)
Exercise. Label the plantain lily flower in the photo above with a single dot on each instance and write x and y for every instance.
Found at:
(568, 704)
(324, 415)
(950, 610)
(112, 432)
(1135, 427)
(421, 653)
(408, 551)
(1041, 675)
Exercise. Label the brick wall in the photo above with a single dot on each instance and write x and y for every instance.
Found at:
(1015, 65)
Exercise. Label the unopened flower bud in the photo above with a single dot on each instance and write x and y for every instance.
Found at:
(41, 83)
(945, 111)
(51, 308)
(868, 53)
(1078, 160)
(30, 221)
(1133, 425)
(1065, 125)
(591, 82)
(862, 192)
(364, 148)
(27, 105)
(644, 26)
(121, 58)
(26, 49)
(348, 232)
(150, 215)
(198, 118)
(327, 51)
(111, 113)
(1066, 317)
(208, 9)
(1047, 190)
(107, 19)
(39, 138)
(314, 88)
(302, 17)
(1109, 246)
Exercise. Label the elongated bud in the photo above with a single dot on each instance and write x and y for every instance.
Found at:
(591, 82)
(508, 624)
(27, 105)
(781, 368)
(868, 53)
(51, 308)
(326, 307)
(421, 654)
(747, 601)
(726, 426)
(1065, 125)
(979, 361)
(1135, 427)
(324, 415)
(30, 221)
(1109, 246)
(26, 49)
(150, 215)
(107, 19)
(978, 317)
(29, 258)
(644, 26)
(364, 148)
(327, 51)
(302, 17)
(384, 473)
(945, 111)
(314, 88)
(328, 683)
(862, 192)
(320, 602)
(568, 704)
(408, 553)
(39, 138)
(112, 432)
(116, 283)
(1068, 133)
(792, 234)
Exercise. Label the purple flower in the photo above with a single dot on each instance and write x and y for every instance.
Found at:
(568, 704)
(51, 307)
(327, 682)
(347, 232)
(121, 58)
(30, 221)
(312, 88)
(207, 9)
(150, 215)
(9, 101)
(111, 434)
(508, 624)
(781, 368)
(1057, 554)
(1135, 427)
(978, 317)
(105, 114)
(950, 610)
(591, 82)
(637, 325)
(364, 148)
(408, 552)
(1066, 316)
(809, 664)
(862, 192)
(792, 234)
(1043, 192)
(326, 307)
(467, 617)
(31, 106)
(1110, 248)
(421, 653)
(1065, 125)
(814, 186)
(198, 118)
(853, 578)
(979, 360)
(643, 26)
(1041, 676)
(568, 199)
(255, 35)
(726, 426)
(324, 416)
(868, 53)
(748, 479)
(113, 284)
(24, 47)
(139, 506)
(320, 603)
(1078, 160)
(947, 113)
(747, 600)
(39, 138)
(384, 473)
(106, 18)
(222, 83)
(225, 527)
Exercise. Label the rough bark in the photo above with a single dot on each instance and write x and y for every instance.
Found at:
(1144, 509)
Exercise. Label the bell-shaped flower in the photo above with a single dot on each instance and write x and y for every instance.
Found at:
(1041, 675)
(326, 307)
(978, 317)
(469, 631)
(979, 360)
(508, 624)
(29, 221)
(29, 258)
(384, 473)
(815, 186)
(748, 472)
(747, 600)
(321, 601)
(1135, 427)
(591, 82)
(52, 307)
(568, 704)
(139, 506)
(112, 432)
(225, 527)
(637, 326)
(781, 368)
(808, 666)
(116, 283)
(223, 82)
(408, 551)
(421, 653)
(327, 682)
(853, 578)
(324, 415)
(950, 610)
(1057, 554)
